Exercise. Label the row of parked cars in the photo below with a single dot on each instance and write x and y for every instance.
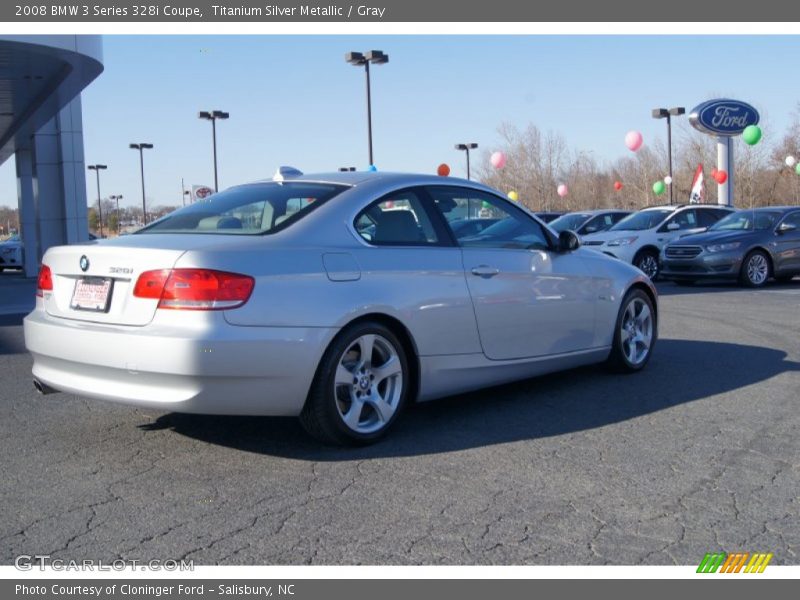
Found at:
(690, 243)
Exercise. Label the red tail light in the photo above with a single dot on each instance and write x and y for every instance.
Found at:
(45, 283)
(194, 289)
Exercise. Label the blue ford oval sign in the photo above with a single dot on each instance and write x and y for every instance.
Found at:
(723, 116)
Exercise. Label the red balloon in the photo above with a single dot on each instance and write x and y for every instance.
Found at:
(443, 170)
(617, 185)
(721, 177)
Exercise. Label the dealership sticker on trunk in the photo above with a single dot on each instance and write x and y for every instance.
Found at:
(91, 293)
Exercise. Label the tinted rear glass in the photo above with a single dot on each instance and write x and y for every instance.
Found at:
(249, 209)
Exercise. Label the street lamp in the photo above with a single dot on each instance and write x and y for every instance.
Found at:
(119, 222)
(212, 116)
(466, 148)
(141, 148)
(668, 113)
(358, 59)
(97, 169)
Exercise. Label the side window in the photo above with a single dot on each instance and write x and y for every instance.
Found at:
(617, 217)
(598, 223)
(398, 219)
(512, 228)
(686, 219)
(707, 217)
(793, 219)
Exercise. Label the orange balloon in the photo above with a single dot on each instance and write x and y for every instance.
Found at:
(443, 170)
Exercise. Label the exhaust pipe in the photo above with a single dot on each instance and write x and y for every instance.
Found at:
(43, 388)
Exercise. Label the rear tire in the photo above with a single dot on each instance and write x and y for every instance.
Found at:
(756, 269)
(360, 387)
(647, 262)
(635, 333)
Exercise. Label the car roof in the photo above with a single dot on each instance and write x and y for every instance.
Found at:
(353, 178)
(679, 206)
(783, 209)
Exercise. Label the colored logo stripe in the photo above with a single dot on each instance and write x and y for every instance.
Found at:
(758, 563)
(733, 563)
(711, 562)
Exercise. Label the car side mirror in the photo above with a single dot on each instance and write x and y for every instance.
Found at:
(786, 228)
(568, 241)
(673, 226)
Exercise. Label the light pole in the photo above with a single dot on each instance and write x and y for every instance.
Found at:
(358, 59)
(119, 222)
(141, 147)
(97, 169)
(668, 113)
(212, 116)
(466, 148)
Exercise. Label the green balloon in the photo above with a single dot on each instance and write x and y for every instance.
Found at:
(797, 168)
(485, 204)
(659, 188)
(751, 135)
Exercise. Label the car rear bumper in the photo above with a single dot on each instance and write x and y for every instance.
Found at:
(216, 368)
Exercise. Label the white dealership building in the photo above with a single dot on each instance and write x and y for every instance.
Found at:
(41, 78)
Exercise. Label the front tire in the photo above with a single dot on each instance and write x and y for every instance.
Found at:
(360, 387)
(755, 269)
(647, 262)
(635, 333)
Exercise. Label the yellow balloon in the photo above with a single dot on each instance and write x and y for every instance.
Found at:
(513, 195)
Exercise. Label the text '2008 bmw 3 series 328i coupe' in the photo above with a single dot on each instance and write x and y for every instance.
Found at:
(338, 298)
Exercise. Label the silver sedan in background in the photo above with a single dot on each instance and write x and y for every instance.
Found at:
(338, 298)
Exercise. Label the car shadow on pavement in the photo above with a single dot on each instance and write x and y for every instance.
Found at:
(670, 288)
(11, 337)
(680, 371)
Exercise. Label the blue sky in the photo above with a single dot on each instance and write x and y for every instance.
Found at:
(293, 100)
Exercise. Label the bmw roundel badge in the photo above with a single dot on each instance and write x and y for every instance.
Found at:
(84, 263)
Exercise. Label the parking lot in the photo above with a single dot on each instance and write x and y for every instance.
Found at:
(697, 453)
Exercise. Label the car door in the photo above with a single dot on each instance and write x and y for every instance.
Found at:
(409, 262)
(787, 244)
(529, 299)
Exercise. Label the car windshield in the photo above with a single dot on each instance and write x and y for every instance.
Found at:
(644, 219)
(571, 221)
(746, 219)
(249, 209)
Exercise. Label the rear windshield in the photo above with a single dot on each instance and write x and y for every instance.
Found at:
(249, 209)
(645, 219)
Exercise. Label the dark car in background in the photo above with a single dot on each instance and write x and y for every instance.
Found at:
(748, 245)
(588, 221)
(548, 215)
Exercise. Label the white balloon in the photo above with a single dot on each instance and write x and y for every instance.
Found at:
(791, 161)
(668, 180)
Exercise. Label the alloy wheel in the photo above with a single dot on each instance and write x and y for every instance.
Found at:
(368, 384)
(636, 331)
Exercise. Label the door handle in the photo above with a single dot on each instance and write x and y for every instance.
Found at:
(485, 271)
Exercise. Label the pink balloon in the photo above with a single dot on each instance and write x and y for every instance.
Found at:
(634, 140)
(562, 190)
(498, 160)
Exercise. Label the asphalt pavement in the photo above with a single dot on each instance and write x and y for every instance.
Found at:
(698, 453)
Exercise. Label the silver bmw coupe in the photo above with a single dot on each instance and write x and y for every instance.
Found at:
(338, 298)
